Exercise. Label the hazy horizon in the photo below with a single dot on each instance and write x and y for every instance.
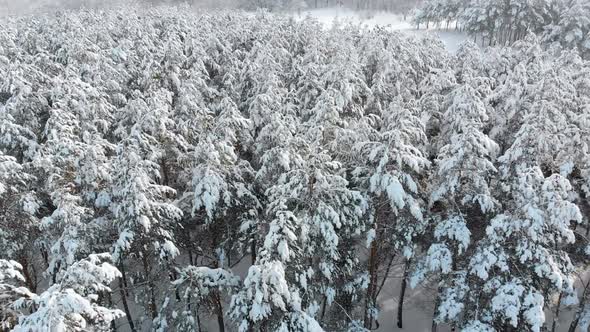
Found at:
(31, 6)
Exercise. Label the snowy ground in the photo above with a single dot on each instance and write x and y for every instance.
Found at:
(452, 39)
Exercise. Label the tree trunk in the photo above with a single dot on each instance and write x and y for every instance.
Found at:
(190, 256)
(123, 291)
(31, 284)
(152, 304)
(164, 168)
(45, 256)
(219, 310)
(111, 305)
(370, 300)
(556, 317)
(385, 276)
(581, 308)
(54, 273)
(253, 251)
(402, 294)
(574, 324)
(324, 305)
(198, 319)
(174, 276)
(436, 301)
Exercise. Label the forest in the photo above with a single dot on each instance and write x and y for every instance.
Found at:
(562, 23)
(397, 6)
(166, 169)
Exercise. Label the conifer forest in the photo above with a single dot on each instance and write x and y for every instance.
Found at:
(166, 167)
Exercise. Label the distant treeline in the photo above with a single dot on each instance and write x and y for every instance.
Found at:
(400, 6)
(502, 22)
(388, 5)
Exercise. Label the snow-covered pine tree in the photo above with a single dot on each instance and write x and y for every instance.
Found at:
(573, 28)
(533, 227)
(10, 290)
(461, 201)
(197, 292)
(391, 163)
(74, 301)
(521, 261)
(143, 217)
(311, 211)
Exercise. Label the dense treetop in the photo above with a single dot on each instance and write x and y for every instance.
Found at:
(160, 169)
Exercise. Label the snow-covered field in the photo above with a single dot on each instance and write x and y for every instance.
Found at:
(327, 16)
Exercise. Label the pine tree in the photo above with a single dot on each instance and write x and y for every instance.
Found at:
(394, 162)
(197, 287)
(462, 199)
(143, 217)
(72, 303)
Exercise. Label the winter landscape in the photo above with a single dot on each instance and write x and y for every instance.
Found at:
(295, 165)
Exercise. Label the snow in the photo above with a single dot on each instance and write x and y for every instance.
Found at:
(308, 207)
(390, 21)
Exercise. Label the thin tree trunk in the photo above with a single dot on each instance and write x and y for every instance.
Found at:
(174, 276)
(402, 294)
(124, 279)
(198, 319)
(574, 324)
(253, 251)
(434, 324)
(581, 308)
(111, 305)
(190, 256)
(123, 291)
(54, 273)
(219, 310)
(45, 257)
(31, 284)
(384, 280)
(190, 309)
(556, 317)
(370, 300)
(152, 304)
(164, 167)
(324, 305)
